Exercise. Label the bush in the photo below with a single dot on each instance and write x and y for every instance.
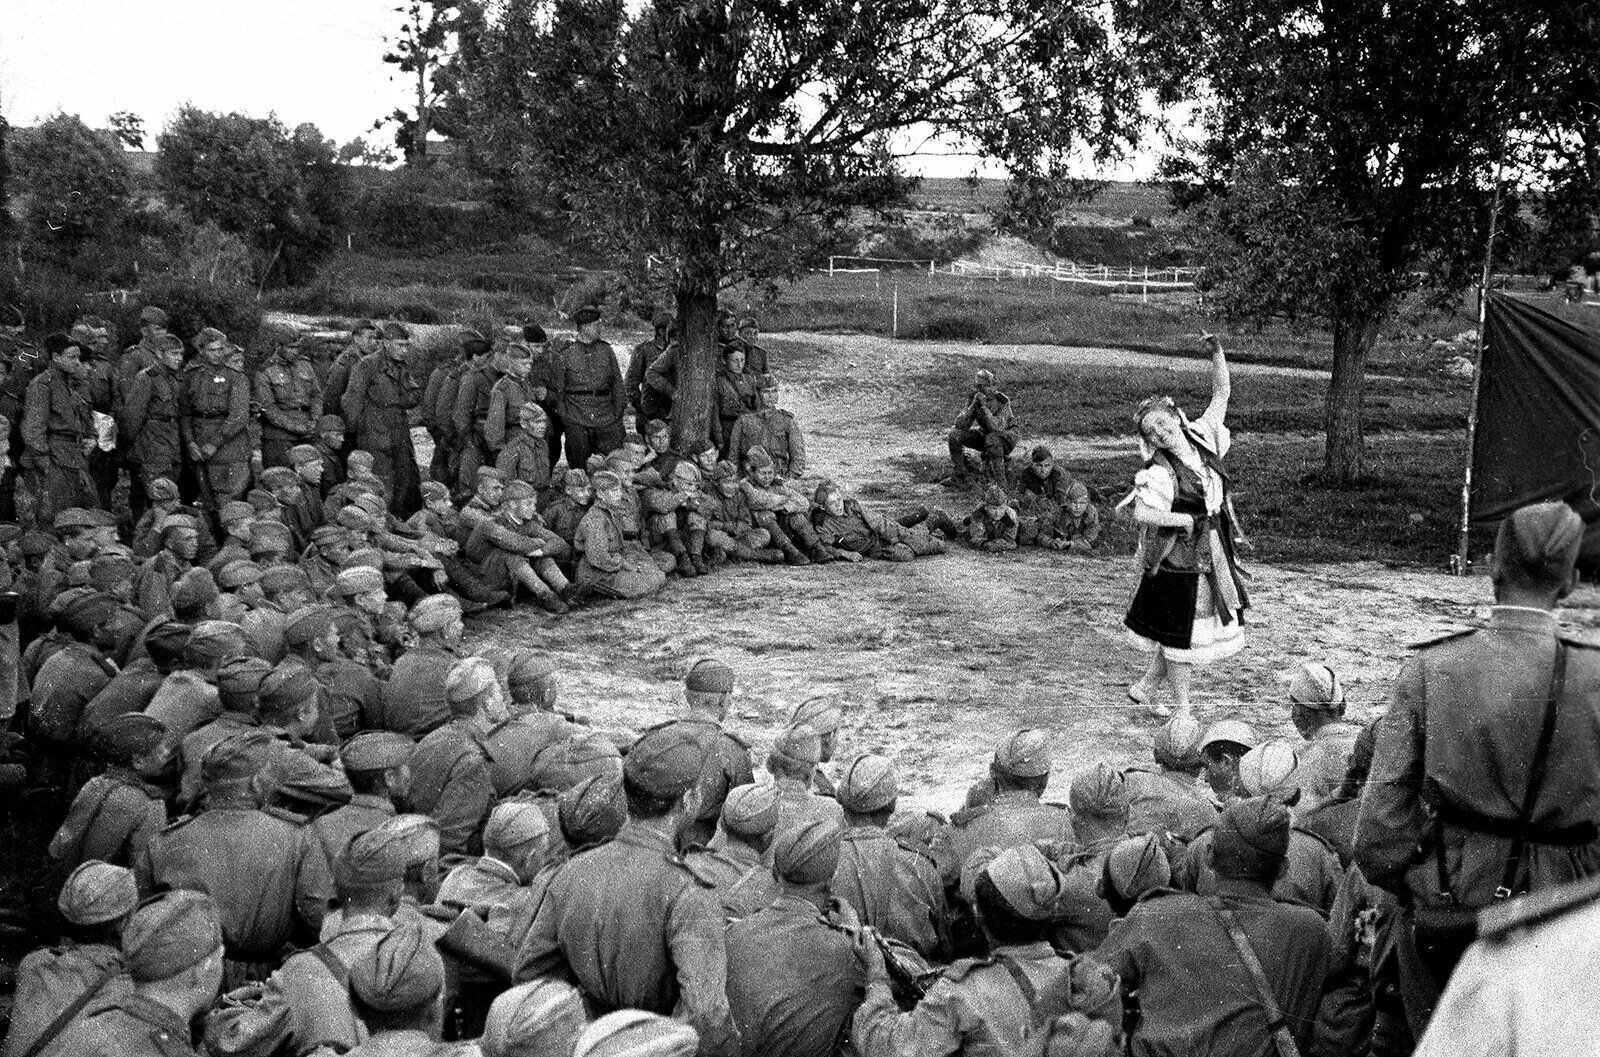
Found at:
(193, 305)
(422, 209)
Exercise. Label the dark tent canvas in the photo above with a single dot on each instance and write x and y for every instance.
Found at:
(1538, 434)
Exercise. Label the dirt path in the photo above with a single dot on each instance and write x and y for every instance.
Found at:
(873, 351)
(937, 659)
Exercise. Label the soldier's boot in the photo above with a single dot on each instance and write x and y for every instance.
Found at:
(697, 551)
(548, 600)
(915, 517)
(680, 555)
(791, 553)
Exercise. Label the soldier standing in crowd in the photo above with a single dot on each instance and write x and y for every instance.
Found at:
(510, 392)
(755, 357)
(364, 341)
(154, 339)
(379, 406)
(149, 436)
(1503, 798)
(214, 421)
(469, 413)
(58, 432)
(288, 393)
(648, 403)
(592, 397)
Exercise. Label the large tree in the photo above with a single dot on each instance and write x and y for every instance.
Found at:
(1345, 154)
(422, 50)
(725, 137)
(282, 193)
(73, 186)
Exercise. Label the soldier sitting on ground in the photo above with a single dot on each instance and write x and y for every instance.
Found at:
(785, 514)
(844, 524)
(731, 528)
(988, 425)
(992, 527)
(772, 428)
(1074, 526)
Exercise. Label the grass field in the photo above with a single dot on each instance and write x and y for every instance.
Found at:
(1044, 312)
(1117, 200)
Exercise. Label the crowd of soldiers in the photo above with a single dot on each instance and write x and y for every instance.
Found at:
(286, 813)
(534, 489)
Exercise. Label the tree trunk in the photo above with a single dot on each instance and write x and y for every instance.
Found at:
(419, 144)
(1354, 334)
(697, 358)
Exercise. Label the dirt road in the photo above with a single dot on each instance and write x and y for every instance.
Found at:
(939, 658)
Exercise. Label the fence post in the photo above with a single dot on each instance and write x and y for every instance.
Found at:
(1144, 294)
(830, 267)
(894, 323)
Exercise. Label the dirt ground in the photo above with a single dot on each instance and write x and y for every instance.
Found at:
(939, 658)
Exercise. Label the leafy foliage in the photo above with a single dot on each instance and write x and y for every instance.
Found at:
(74, 189)
(719, 141)
(281, 192)
(1345, 154)
(129, 128)
(422, 50)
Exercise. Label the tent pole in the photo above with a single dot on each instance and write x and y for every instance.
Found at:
(1458, 561)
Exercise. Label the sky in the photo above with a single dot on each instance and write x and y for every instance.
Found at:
(305, 60)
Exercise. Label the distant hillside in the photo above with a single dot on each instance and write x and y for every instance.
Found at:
(1116, 203)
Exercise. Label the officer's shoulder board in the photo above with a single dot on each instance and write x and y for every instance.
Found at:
(694, 870)
(1503, 919)
(286, 815)
(178, 823)
(1441, 639)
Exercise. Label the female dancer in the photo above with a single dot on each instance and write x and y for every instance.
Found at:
(1189, 607)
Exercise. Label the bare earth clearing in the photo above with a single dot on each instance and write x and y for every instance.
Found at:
(940, 657)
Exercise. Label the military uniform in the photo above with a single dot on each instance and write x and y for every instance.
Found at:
(261, 866)
(1527, 986)
(113, 818)
(1167, 801)
(1324, 759)
(1014, 817)
(793, 979)
(130, 690)
(150, 435)
(893, 886)
(514, 745)
(1455, 788)
(66, 683)
(873, 535)
(592, 398)
(467, 418)
(290, 397)
(613, 565)
(130, 1026)
(214, 416)
(304, 1007)
(1196, 996)
(988, 425)
(335, 830)
(52, 978)
(775, 430)
(647, 403)
(980, 1007)
(733, 397)
(638, 930)
(500, 423)
(450, 782)
(377, 407)
(744, 883)
(413, 700)
(1311, 873)
(438, 412)
(56, 420)
(524, 457)
(980, 529)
